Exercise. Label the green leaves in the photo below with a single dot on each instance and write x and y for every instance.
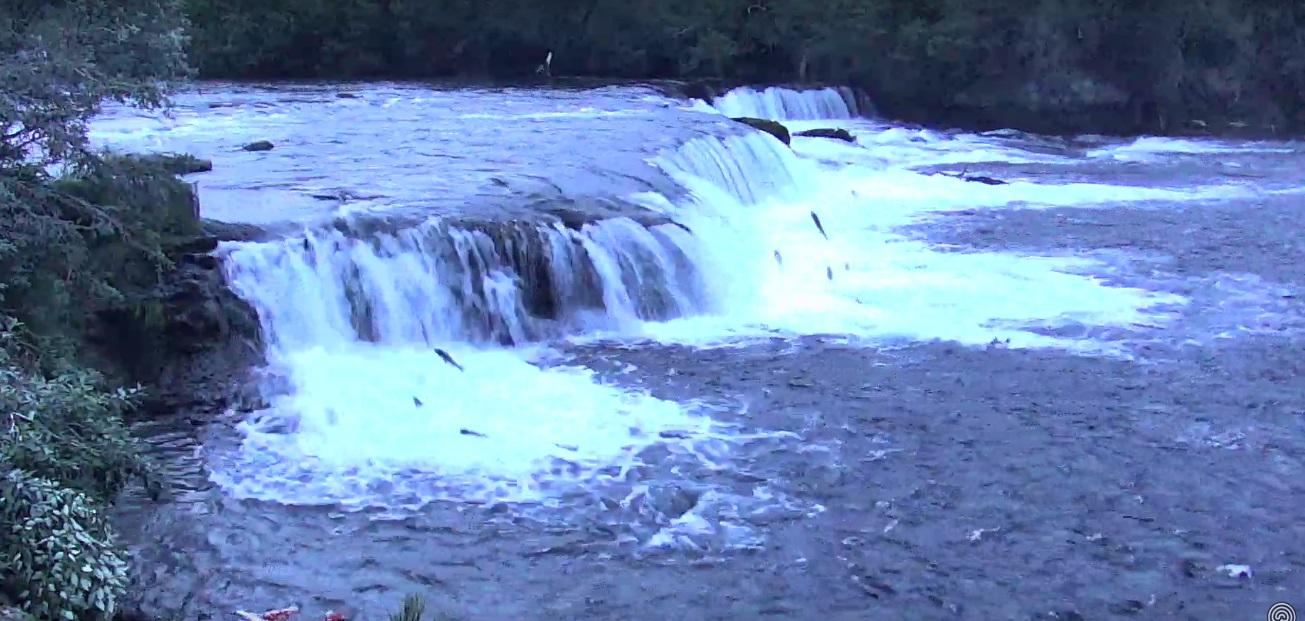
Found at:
(62, 554)
(60, 59)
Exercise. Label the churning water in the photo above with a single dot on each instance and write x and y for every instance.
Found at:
(430, 248)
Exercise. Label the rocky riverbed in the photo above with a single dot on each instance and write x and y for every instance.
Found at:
(1092, 468)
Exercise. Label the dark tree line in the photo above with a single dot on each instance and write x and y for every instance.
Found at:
(1127, 64)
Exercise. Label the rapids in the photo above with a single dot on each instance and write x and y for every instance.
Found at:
(503, 228)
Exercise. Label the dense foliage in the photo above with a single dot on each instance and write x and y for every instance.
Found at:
(60, 59)
(1152, 64)
(71, 249)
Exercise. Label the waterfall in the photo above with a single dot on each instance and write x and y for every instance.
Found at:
(437, 283)
(783, 104)
(404, 357)
(403, 361)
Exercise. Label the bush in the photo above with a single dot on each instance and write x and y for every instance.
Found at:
(59, 552)
(64, 453)
(67, 430)
(71, 250)
(94, 242)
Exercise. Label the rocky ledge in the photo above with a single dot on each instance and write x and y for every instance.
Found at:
(191, 342)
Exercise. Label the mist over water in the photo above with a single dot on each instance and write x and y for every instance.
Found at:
(413, 360)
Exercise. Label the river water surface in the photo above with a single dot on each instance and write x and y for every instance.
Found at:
(693, 372)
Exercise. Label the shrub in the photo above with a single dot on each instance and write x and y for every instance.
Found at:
(64, 453)
(59, 552)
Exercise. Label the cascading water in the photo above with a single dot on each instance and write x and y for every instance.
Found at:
(357, 330)
(365, 409)
(783, 104)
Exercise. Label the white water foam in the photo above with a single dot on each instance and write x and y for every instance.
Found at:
(773, 271)
(782, 104)
(398, 426)
(1153, 148)
(364, 409)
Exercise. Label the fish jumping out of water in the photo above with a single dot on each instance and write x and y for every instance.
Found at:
(546, 69)
(820, 226)
(449, 359)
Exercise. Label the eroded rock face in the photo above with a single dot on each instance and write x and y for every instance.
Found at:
(774, 128)
(190, 341)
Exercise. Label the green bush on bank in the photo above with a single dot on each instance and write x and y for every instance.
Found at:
(64, 453)
(71, 248)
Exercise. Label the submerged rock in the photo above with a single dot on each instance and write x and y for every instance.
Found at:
(261, 145)
(773, 128)
(835, 133)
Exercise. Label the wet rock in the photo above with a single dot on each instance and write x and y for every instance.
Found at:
(834, 133)
(1127, 607)
(983, 179)
(346, 96)
(201, 309)
(190, 339)
(179, 163)
(672, 501)
(200, 244)
(1192, 568)
(575, 214)
(227, 231)
(773, 128)
(261, 145)
(700, 90)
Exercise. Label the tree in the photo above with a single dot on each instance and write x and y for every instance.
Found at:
(60, 59)
(70, 248)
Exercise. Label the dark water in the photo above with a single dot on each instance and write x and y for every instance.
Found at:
(866, 445)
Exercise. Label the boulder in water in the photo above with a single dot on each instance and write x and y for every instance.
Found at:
(261, 145)
(773, 128)
(700, 90)
(835, 133)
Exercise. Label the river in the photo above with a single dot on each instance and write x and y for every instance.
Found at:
(602, 353)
